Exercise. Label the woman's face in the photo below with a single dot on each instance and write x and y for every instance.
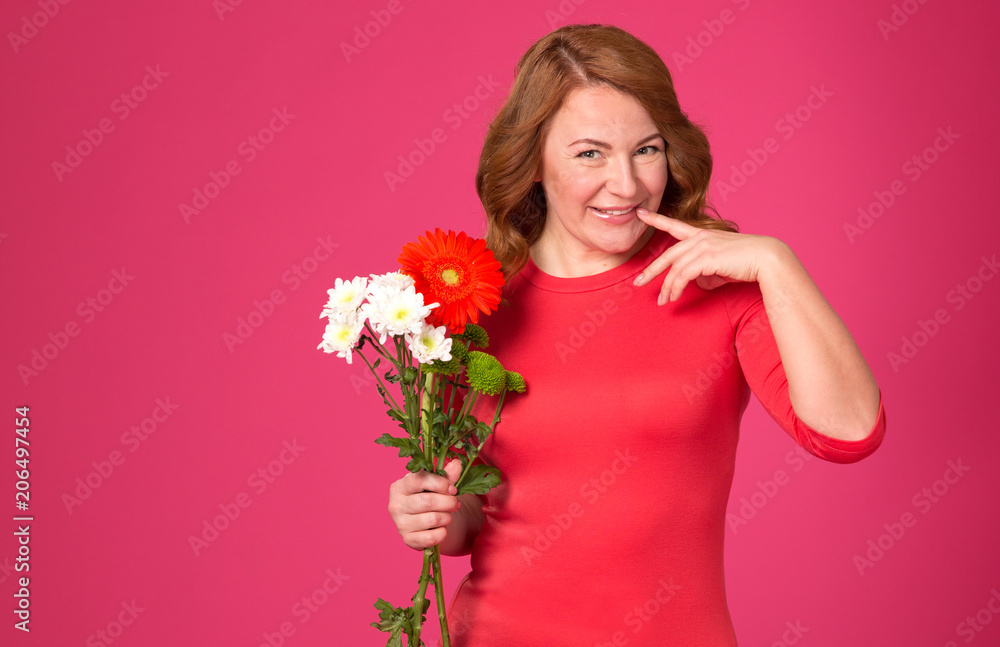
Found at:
(601, 158)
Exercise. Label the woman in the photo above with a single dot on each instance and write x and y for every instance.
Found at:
(617, 463)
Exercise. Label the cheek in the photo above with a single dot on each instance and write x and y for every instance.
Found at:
(571, 185)
(655, 178)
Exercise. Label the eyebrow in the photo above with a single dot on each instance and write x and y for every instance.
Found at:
(600, 144)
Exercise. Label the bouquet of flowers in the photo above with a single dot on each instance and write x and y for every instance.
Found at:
(416, 330)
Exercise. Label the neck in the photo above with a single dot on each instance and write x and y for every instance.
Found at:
(563, 260)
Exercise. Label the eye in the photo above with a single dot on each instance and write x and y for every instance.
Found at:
(587, 154)
(651, 150)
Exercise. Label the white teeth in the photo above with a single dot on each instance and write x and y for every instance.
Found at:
(620, 212)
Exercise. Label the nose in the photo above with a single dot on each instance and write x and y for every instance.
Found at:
(621, 178)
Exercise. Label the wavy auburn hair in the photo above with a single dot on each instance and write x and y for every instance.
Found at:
(571, 58)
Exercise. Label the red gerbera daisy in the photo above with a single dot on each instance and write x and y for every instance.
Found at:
(456, 271)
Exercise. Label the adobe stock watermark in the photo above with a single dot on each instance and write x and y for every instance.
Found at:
(924, 500)
(720, 361)
(305, 608)
(791, 635)
(959, 296)
(112, 631)
(248, 149)
(7, 571)
(122, 107)
(370, 30)
(913, 168)
(293, 277)
(453, 116)
(766, 491)
(785, 126)
(590, 492)
(899, 16)
(593, 320)
(560, 15)
(642, 614)
(132, 440)
(973, 625)
(87, 310)
(259, 480)
(30, 26)
(222, 7)
(714, 28)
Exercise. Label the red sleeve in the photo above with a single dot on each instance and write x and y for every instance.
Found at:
(764, 373)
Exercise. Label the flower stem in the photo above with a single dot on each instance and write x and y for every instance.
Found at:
(381, 383)
(439, 598)
(426, 415)
(374, 342)
(419, 597)
(496, 419)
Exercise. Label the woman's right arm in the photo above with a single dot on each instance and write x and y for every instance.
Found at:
(427, 512)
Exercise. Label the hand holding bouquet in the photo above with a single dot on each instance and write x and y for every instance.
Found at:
(416, 331)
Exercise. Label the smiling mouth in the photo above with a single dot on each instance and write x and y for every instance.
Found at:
(607, 213)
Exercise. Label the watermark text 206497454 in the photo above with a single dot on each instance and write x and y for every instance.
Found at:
(22, 500)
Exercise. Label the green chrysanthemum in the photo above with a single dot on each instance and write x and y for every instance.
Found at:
(459, 349)
(515, 382)
(450, 367)
(485, 373)
(475, 335)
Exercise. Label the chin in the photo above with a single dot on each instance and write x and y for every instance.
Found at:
(623, 239)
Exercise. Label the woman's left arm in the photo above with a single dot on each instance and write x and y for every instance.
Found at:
(830, 385)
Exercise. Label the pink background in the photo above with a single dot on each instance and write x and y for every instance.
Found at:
(321, 174)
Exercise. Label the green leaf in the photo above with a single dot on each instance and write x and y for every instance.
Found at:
(392, 620)
(483, 432)
(406, 446)
(480, 479)
(419, 462)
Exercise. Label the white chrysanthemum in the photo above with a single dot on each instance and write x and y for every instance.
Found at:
(345, 296)
(396, 280)
(342, 334)
(391, 311)
(430, 344)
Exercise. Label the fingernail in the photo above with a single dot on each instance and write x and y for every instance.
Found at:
(659, 299)
(637, 280)
(642, 212)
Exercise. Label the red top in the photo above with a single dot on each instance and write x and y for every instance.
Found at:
(618, 461)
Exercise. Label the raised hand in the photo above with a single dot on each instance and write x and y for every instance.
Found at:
(709, 257)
